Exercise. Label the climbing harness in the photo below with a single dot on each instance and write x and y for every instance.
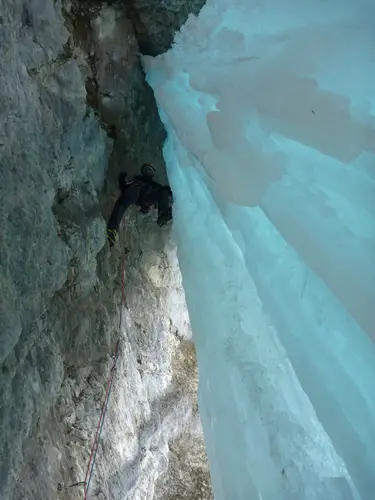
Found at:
(99, 428)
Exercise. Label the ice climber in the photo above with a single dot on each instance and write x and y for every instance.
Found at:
(142, 191)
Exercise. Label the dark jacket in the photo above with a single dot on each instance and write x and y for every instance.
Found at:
(143, 191)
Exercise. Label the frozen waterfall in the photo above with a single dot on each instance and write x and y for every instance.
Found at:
(270, 113)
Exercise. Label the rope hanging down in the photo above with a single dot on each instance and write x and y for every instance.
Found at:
(94, 448)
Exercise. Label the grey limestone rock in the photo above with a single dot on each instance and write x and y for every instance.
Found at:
(75, 110)
(156, 22)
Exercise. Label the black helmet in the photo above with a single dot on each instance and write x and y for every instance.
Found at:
(148, 170)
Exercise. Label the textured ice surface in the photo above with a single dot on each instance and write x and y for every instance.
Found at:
(270, 110)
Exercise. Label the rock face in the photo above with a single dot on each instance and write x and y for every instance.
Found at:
(155, 23)
(75, 110)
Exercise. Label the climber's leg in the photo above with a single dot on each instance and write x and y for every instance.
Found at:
(127, 198)
(122, 181)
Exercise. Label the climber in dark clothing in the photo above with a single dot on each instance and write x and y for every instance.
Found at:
(143, 191)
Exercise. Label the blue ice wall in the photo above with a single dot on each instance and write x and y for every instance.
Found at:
(270, 113)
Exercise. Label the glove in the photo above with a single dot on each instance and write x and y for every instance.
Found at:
(111, 236)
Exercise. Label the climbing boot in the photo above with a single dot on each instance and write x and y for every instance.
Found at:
(111, 236)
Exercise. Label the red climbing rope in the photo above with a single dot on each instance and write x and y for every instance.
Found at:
(94, 448)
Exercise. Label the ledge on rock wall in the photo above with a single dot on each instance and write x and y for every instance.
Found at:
(155, 23)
